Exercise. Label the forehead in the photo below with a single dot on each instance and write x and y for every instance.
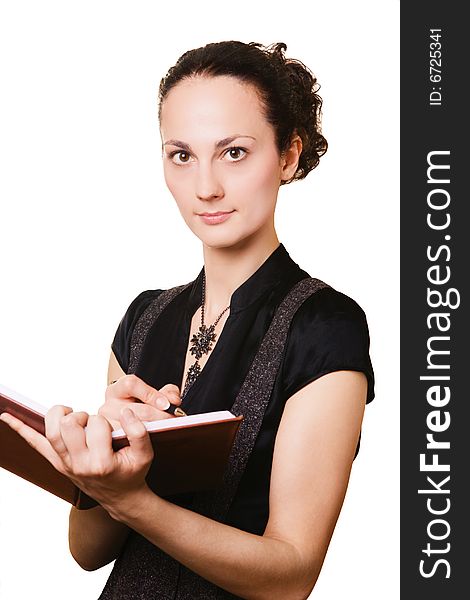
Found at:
(213, 105)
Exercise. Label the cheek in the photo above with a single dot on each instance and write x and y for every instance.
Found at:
(263, 173)
(177, 185)
(260, 181)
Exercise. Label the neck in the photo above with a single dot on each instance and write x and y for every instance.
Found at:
(227, 268)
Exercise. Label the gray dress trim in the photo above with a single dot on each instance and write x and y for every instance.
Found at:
(145, 322)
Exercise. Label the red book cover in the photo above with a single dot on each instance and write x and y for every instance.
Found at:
(190, 452)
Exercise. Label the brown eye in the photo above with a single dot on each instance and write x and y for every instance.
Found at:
(183, 157)
(234, 152)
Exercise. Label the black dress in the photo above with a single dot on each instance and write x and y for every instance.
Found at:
(328, 333)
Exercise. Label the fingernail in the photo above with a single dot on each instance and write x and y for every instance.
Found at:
(163, 403)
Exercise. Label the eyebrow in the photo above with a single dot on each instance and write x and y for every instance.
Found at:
(217, 145)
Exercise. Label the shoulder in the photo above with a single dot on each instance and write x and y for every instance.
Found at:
(121, 341)
(329, 309)
(329, 332)
(138, 306)
(123, 335)
(142, 300)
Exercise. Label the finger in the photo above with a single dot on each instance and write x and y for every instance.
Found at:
(99, 442)
(37, 441)
(138, 437)
(115, 424)
(108, 410)
(145, 412)
(72, 430)
(132, 387)
(172, 392)
(52, 427)
(148, 413)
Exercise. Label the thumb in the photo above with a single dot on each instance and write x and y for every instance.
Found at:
(137, 435)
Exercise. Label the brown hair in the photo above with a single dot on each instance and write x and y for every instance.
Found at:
(287, 89)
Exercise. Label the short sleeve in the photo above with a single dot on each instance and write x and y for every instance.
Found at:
(122, 338)
(329, 332)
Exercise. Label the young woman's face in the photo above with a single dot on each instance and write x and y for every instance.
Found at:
(220, 156)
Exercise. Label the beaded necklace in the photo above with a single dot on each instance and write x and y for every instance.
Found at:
(201, 342)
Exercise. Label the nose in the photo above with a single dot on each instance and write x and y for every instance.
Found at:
(208, 184)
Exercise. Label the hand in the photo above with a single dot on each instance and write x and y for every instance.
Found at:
(128, 390)
(86, 456)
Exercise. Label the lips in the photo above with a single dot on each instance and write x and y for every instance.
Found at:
(215, 214)
(215, 217)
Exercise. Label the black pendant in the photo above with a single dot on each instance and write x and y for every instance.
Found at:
(202, 341)
(191, 376)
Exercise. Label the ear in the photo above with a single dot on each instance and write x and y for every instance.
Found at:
(290, 158)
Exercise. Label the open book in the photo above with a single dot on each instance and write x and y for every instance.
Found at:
(190, 452)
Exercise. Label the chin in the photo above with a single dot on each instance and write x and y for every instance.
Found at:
(228, 240)
(210, 242)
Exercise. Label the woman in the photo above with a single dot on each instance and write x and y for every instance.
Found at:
(237, 121)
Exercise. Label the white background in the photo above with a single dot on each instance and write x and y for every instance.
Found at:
(87, 223)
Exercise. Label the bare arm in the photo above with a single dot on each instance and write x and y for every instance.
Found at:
(313, 455)
(95, 539)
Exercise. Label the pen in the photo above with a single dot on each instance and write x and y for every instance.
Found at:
(175, 410)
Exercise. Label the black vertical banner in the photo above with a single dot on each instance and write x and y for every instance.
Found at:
(435, 336)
